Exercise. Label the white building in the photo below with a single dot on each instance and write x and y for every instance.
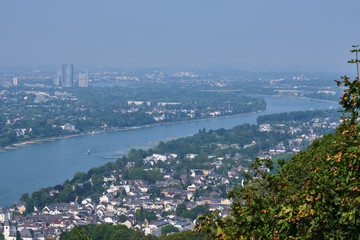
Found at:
(84, 79)
(15, 81)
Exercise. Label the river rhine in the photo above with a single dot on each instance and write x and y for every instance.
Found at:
(35, 166)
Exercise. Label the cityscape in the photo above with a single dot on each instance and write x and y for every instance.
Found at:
(161, 194)
(169, 120)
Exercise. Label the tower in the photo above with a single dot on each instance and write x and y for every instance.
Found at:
(83, 79)
(15, 81)
(67, 75)
(7, 229)
(57, 78)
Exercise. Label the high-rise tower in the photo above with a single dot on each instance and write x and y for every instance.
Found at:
(83, 79)
(67, 75)
(15, 81)
(57, 78)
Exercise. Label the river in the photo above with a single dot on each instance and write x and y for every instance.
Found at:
(29, 168)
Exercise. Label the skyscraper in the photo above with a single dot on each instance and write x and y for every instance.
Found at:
(67, 75)
(57, 78)
(15, 81)
(83, 79)
(56, 81)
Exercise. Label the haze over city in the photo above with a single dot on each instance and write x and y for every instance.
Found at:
(178, 33)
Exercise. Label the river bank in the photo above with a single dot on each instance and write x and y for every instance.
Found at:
(49, 139)
(298, 97)
(308, 98)
(41, 140)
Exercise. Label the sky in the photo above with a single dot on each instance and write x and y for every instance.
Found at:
(154, 33)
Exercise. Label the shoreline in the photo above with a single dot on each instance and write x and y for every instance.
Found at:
(50, 139)
(297, 97)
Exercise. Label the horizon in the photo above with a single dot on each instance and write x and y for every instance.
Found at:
(157, 33)
(346, 67)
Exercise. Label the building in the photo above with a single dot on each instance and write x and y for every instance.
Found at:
(15, 81)
(68, 127)
(11, 232)
(40, 97)
(83, 79)
(57, 78)
(67, 75)
(5, 215)
(56, 81)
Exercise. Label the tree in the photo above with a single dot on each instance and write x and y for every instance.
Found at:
(180, 209)
(80, 234)
(140, 216)
(188, 214)
(313, 196)
(150, 216)
(185, 235)
(122, 218)
(169, 229)
(18, 236)
(24, 197)
(123, 193)
(196, 195)
(79, 177)
(103, 231)
(154, 191)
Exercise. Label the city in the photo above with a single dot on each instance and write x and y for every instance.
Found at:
(179, 120)
(160, 185)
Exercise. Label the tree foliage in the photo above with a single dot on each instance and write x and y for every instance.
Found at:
(112, 232)
(141, 214)
(104, 231)
(169, 229)
(316, 195)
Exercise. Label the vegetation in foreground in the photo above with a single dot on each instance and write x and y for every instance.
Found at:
(116, 232)
(313, 196)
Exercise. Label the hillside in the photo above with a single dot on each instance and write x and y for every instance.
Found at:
(315, 195)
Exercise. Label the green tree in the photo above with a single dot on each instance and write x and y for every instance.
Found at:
(188, 214)
(122, 218)
(18, 236)
(80, 234)
(24, 197)
(101, 232)
(150, 216)
(186, 235)
(79, 177)
(313, 196)
(139, 214)
(169, 229)
(180, 209)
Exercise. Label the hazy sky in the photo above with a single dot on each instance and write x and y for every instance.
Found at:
(178, 32)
